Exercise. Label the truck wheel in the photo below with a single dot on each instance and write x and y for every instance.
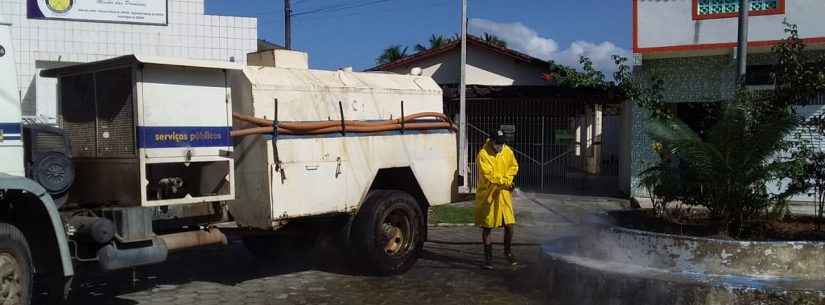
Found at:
(15, 267)
(388, 232)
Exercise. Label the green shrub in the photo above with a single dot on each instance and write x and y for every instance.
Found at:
(728, 170)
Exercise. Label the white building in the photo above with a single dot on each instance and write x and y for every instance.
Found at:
(681, 28)
(690, 45)
(49, 33)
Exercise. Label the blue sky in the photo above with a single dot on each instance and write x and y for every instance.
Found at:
(549, 29)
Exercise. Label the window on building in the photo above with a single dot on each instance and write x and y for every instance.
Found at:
(709, 9)
(700, 116)
(759, 75)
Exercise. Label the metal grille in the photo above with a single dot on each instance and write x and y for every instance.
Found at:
(45, 142)
(712, 7)
(115, 118)
(98, 113)
(818, 99)
(551, 158)
(77, 103)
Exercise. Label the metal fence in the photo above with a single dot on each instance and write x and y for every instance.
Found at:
(552, 159)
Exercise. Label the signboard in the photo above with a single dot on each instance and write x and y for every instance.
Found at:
(563, 137)
(121, 11)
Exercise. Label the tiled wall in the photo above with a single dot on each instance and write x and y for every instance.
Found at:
(189, 34)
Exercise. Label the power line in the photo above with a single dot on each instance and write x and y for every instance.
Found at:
(331, 9)
(328, 7)
(338, 8)
(327, 18)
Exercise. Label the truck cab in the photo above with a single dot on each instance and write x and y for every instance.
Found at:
(32, 235)
(138, 167)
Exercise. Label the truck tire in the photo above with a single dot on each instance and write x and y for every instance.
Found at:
(388, 232)
(16, 269)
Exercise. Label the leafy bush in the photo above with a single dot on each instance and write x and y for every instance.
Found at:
(728, 170)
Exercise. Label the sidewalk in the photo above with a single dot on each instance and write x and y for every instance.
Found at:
(537, 210)
(797, 207)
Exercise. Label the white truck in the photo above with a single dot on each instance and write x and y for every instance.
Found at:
(151, 152)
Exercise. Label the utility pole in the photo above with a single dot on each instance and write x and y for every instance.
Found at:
(288, 24)
(462, 115)
(742, 46)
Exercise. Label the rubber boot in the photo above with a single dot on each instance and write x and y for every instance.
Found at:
(488, 257)
(508, 253)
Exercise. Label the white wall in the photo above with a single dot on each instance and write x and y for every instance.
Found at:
(11, 146)
(483, 68)
(669, 23)
(189, 34)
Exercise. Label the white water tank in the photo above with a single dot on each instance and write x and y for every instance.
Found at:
(279, 58)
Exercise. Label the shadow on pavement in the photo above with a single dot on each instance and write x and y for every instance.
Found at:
(451, 255)
(224, 265)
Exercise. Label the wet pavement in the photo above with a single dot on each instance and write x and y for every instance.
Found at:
(447, 273)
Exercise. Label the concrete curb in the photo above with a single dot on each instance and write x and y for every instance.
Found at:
(451, 225)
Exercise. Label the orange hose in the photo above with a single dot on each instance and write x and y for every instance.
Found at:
(318, 125)
(251, 119)
(411, 122)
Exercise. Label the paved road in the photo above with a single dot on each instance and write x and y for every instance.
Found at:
(448, 272)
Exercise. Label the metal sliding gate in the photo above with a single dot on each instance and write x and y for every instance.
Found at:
(562, 147)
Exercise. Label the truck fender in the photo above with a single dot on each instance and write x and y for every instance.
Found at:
(400, 178)
(24, 184)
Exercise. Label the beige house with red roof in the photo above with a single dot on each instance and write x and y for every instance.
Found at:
(487, 65)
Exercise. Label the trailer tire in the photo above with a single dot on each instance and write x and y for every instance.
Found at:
(388, 232)
(15, 282)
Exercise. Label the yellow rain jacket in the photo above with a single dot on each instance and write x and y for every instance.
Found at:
(494, 199)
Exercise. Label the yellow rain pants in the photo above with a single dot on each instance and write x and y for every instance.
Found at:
(494, 199)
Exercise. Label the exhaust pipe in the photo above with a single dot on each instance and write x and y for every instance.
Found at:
(113, 258)
(186, 240)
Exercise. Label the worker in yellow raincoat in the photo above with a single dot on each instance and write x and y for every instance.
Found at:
(497, 167)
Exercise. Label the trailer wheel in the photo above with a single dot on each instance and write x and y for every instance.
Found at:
(15, 267)
(388, 232)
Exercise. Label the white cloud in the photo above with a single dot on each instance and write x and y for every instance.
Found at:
(522, 38)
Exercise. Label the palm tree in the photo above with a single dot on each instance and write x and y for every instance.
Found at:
(494, 40)
(727, 170)
(436, 41)
(391, 54)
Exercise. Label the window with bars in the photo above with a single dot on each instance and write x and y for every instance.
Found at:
(728, 8)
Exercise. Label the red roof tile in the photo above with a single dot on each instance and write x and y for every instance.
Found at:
(471, 40)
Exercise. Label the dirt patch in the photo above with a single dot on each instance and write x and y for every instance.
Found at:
(699, 224)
